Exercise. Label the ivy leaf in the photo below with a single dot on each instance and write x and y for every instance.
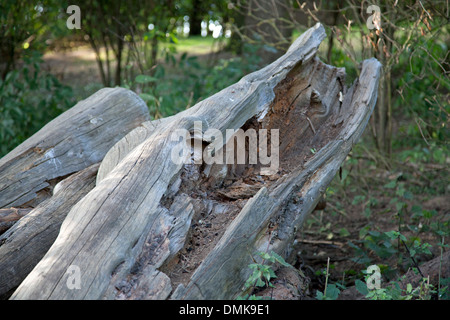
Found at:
(361, 287)
(280, 259)
(390, 185)
(147, 97)
(343, 232)
(409, 288)
(265, 256)
(332, 292)
(319, 295)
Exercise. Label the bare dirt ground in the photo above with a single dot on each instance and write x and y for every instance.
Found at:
(78, 64)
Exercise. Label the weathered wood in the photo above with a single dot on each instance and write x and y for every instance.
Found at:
(107, 238)
(128, 143)
(71, 142)
(23, 246)
(135, 221)
(10, 216)
(161, 242)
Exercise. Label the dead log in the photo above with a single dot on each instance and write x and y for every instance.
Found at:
(24, 245)
(71, 142)
(271, 219)
(149, 217)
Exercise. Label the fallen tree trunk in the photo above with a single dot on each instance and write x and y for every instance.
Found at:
(155, 227)
(24, 245)
(73, 141)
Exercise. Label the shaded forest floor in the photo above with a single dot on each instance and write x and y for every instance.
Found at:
(411, 197)
(358, 213)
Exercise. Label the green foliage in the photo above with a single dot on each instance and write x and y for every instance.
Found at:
(444, 291)
(185, 81)
(24, 25)
(361, 287)
(386, 245)
(29, 98)
(393, 200)
(145, 79)
(339, 58)
(410, 219)
(331, 293)
(262, 273)
(273, 257)
(423, 291)
(380, 294)
(423, 92)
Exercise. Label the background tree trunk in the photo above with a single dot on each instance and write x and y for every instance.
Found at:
(264, 24)
(196, 18)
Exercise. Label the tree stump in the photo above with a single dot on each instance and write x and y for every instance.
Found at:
(169, 218)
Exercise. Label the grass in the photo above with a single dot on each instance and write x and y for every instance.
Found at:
(198, 45)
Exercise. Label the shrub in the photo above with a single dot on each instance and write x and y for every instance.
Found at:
(29, 98)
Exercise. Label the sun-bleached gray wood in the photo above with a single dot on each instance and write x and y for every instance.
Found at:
(126, 144)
